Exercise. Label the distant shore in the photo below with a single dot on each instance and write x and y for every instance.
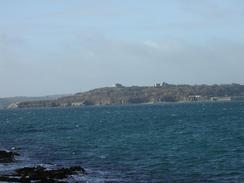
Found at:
(159, 93)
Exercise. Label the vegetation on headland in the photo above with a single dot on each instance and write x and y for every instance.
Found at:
(144, 94)
(12, 101)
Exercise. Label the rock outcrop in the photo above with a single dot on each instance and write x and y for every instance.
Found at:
(7, 156)
(41, 174)
(38, 173)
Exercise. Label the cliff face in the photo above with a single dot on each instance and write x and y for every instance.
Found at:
(12, 106)
(136, 95)
(11, 102)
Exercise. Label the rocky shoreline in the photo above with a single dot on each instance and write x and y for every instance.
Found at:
(37, 174)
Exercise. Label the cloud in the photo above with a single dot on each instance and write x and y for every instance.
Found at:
(105, 61)
(9, 50)
(98, 61)
(212, 8)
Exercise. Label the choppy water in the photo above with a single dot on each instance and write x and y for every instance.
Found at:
(199, 142)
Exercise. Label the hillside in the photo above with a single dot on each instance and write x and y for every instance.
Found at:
(5, 102)
(144, 94)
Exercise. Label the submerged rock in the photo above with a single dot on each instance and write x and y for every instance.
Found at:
(7, 156)
(38, 173)
(41, 174)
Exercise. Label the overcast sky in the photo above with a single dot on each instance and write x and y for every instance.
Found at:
(67, 46)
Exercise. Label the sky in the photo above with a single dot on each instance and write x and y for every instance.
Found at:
(67, 46)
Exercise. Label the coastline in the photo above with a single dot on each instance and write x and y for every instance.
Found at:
(128, 104)
(121, 95)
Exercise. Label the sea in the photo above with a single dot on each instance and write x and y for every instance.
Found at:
(158, 143)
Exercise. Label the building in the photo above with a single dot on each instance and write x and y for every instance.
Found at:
(77, 104)
(157, 85)
(165, 84)
(161, 85)
(195, 98)
(220, 98)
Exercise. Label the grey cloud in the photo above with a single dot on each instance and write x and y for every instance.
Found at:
(212, 8)
(9, 50)
(111, 60)
(90, 61)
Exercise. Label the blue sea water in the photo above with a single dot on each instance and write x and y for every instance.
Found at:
(180, 143)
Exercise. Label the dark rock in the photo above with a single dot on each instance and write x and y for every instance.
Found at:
(7, 156)
(41, 174)
(9, 179)
(37, 174)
